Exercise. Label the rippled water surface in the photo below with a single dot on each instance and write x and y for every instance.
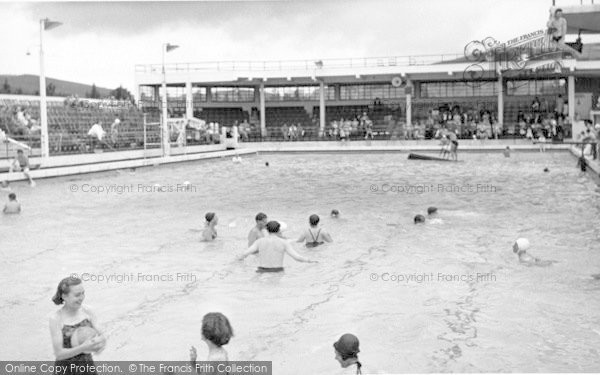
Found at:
(513, 318)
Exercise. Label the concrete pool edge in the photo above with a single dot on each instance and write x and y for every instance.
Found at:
(90, 163)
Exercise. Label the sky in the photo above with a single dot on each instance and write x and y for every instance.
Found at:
(101, 42)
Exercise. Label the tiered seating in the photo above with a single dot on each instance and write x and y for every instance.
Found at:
(224, 116)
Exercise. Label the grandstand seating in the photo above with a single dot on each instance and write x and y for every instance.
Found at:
(224, 116)
(68, 125)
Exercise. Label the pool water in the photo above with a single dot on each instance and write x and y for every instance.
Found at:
(479, 311)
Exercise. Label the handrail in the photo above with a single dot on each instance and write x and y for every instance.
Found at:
(306, 65)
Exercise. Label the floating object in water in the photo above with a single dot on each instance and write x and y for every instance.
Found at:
(412, 156)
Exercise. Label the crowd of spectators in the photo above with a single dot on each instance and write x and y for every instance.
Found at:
(18, 121)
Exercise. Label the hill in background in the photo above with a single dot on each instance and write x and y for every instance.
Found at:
(30, 85)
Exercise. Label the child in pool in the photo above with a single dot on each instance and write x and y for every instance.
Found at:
(210, 233)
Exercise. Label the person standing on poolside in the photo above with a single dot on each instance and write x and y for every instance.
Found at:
(65, 322)
(271, 250)
(259, 231)
(210, 233)
(314, 236)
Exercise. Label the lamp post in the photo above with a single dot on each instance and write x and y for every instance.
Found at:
(167, 47)
(45, 24)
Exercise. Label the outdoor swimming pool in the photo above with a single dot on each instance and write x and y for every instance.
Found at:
(514, 318)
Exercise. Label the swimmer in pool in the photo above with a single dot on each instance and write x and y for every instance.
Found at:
(216, 332)
(506, 152)
(432, 216)
(520, 248)
(260, 230)
(419, 219)
(314, 236)
(346, 351)
(5, 186)
(12, 206)
(210, 233)
(271, 250)
(335, 214)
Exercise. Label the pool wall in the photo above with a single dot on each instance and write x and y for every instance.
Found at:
(64, 165)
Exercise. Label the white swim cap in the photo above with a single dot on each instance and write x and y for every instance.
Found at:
(522, 243)
(282, 226)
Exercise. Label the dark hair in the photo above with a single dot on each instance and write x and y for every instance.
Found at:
(335, 212)
(260, 216)
(558, 10)
(314, 219)
(431, 210)
(216, 328)
(209, 216)
(64, 287)
(273, 227)
(419, 219)
(12, 196)
(19, 151)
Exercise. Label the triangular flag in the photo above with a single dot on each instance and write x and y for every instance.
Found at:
(171, 47)
(51, 24)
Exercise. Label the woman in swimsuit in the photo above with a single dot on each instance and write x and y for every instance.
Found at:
(210, 233)
(71, 316)
(314, 236)
(216, 332)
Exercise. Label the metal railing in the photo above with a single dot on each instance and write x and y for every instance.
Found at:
(304, 65)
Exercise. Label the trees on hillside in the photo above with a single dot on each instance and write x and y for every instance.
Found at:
(5, 87)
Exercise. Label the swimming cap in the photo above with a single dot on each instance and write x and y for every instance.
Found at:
(522, 244)
(282, 226)
(419, 219)
(431, 210)
(347, 345)
(335, 212)
(209, 216)
(546, 170)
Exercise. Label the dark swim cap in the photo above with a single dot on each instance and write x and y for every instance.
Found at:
(335, 212)
(209, 216)
(431, 210)
(273, 227)
(347, 346)
(419, 219)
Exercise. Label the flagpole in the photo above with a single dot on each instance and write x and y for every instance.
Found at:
(45, 146)
(165, 129)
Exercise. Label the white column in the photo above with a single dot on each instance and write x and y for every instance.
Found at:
(408, 105)
(500, 101)
(45, 144)
(189, 100)
(321, 107)
(263, 121)
(571, 99)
